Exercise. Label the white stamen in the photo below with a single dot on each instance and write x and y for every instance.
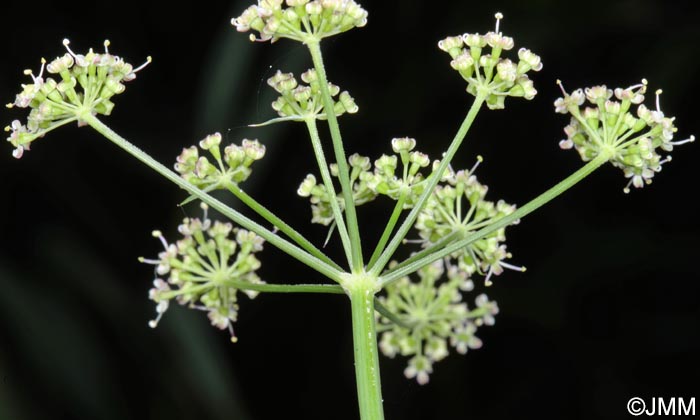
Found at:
(658, 94)
(487, 280)
(561, 86)
(498, 17)
(522, 269)
(148, 261)
(234, 339)
(149, 59)
(106, 44)
(66, 43)
(679, 142)
(158, 234)
(626, 190)
(479, 159)
(205, 209)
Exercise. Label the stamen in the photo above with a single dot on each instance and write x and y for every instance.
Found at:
(479, 159)
(148, 261)
(487, 280)
(149, 59)
(158, 234)
(642, 86)
(679, 142)
(205, 209)
(498, 17)
(41, 72)
(106, 44)
(66, 43)
(234, 339)
(626, 190)
(658, 94)
(522, 269)
(561, 86)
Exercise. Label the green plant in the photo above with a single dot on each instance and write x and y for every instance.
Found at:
(461, 233)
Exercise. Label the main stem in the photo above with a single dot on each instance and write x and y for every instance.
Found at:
(227, 211)
(364, 335)
(343, 170)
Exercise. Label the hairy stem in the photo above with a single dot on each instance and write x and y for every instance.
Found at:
(433, 181)
(523, 211)
(343, 170)
(275, 240)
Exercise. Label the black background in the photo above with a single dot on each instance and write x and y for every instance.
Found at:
(607, 310)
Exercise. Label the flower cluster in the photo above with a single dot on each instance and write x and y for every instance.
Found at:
(300, 102)
(85, 83)
(489, 73)
(458, 208)
(370, 182)
(320, 197)
(206, 269)
(230, 168)
(431, 318)
(300, 20)
(409, 184)
(630, 140)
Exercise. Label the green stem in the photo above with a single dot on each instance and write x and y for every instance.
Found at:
(426, 251)
(266, 288)
(280, 224)
(523, 211)
(341, 160)
(232, 214)
(433, 181)
(364, 334)
(288, 288)
(328, 182)
(386, 313)
(398, 208)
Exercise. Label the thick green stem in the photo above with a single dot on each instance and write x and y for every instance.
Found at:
(280, 224)
(432, 183)
(232, 214)
(364, 334)
(328, 182)
(398, 208)
(343, 170)
(523, 211)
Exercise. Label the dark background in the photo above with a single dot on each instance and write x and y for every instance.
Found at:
(607, 310)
